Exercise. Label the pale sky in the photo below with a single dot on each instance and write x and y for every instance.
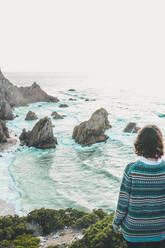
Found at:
(124, 38)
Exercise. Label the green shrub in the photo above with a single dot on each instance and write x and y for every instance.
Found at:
(5, 243)
(12, 226)
(26, 240)
(100, 235)
(52, 220)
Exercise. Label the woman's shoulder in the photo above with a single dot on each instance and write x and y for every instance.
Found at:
(140, 166)
(129, 167)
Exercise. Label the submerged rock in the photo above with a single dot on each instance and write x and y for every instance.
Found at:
(71, 90)
(72, 99)
(5, 111)
(56, 115)
(20, 96)
(4, 133)
(131, 128)
(92, 131)
(161, 115)
(31, 116)
(63, 105)
(41, 136)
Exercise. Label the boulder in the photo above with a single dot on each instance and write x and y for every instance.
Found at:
(5, 110)
(71, 90)
(72, 99)
(92, 131)
(56, 115)
(41, 136)
(63, 105)
(131, 128)
(31, 116)
(21, 96)
(4, 133)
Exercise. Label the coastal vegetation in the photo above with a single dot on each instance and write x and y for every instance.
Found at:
(97, 228)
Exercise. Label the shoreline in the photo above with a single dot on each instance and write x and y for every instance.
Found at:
(6, 209)
(12, 141)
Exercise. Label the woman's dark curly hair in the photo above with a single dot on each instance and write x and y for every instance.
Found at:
(149, 142)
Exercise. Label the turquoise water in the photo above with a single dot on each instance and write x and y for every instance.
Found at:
(70, 175)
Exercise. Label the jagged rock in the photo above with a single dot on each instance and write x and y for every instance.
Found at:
(4, 133)
(20, 96)
(5, 111)
(71, 90)
(31, 116)
(92, 131)
(56, 115)
(63, 106)
(41, 136)
(131, 128)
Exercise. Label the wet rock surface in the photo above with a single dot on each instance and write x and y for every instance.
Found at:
(93, 130)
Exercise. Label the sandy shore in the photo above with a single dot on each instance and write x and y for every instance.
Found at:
(10, 142)
(6, 209)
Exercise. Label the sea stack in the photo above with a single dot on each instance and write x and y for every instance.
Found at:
(131, 128)
(93, 130)
(41, 136)
(31, 116)
(56, 115)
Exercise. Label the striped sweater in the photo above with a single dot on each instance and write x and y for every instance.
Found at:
(141, 205)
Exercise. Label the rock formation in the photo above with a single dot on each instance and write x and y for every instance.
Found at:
(5, 110)
(92, 131)
(72, 99)
(4, 133)
(131, 128)
(56, 115)
(63, 105)
(41, 136)
(31, 116)
(20, 96)
(71, 90)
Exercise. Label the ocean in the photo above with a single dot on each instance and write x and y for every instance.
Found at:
(71, 175)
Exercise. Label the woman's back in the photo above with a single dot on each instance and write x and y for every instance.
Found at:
(144, 184)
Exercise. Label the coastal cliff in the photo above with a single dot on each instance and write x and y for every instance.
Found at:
(21, 96)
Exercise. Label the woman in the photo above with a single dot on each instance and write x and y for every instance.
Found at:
(140, 211)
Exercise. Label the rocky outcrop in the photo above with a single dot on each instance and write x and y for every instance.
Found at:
(4, 133)
(5, 110)
(92, 131)
(71, 90)
(20, 96)
(131, 128)
(41, 136)
(72, 99)
(56, 115)
(63, 105)
(31, 116)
